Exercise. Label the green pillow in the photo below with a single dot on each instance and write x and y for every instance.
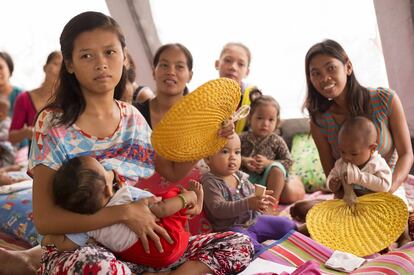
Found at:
(306, 163)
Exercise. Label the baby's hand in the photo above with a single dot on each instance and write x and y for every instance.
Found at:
(335, 184)
(260, 203)
(198, 190)
(261, 163)
(249, 163)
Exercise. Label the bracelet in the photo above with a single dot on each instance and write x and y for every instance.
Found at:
(183, 200)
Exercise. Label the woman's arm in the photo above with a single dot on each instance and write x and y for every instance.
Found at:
(324, 150)
(16, 136)
(402, 142)
(51, 219)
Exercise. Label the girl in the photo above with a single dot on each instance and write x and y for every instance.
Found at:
(234, 63)
(29, 103)
(230, 203)
(86, 119)
(265, 155)
(6, 89)
(334, 94)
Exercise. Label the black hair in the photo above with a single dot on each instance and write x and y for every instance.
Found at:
(69, 97)
(357, 96)
(78, 189)
(51, 56)
(9, 61)
(187, 53)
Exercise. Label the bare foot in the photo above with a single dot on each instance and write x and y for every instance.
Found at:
(17, 262)
(198, 189)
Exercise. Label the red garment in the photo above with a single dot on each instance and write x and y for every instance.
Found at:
(24, 112)
(175, 225)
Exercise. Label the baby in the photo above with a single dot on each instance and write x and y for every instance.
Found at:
(365, 168)
(82, 185)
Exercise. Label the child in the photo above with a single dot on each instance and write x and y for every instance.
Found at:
(366, 169)
(7, 152)
(80, 177)
(234, 63)
(230, 201)
(265, 155)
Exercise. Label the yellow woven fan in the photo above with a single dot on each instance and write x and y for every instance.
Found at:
(365, 226)
(189, 130)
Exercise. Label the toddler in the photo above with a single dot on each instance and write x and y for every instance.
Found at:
(265, 155)
(83, 185)
(230, 201)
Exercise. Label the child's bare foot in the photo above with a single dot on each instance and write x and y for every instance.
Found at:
(198, 189)
(16, 262)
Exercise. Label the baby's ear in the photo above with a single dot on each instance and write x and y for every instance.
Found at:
(373, 147)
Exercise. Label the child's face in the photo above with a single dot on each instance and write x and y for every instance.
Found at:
(227, 161)
(264, 120)
(233, 64)
(329, 75)
(355, 151)
(97, 61)
(172, 73)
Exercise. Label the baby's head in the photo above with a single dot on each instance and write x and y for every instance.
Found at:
(264, 116)
(82, 185)
(227, 161)
(357, 140)
(4, 107)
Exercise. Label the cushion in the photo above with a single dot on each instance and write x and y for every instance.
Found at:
(157, 184)
(294, 249)
(16, 216)
(399, 261)
(306, 163)
(290, 127)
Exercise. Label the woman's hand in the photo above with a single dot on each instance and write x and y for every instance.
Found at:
(227, 129)
(143, 223)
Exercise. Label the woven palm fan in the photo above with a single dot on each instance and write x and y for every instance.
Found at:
(189, 130)
(358, 225)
